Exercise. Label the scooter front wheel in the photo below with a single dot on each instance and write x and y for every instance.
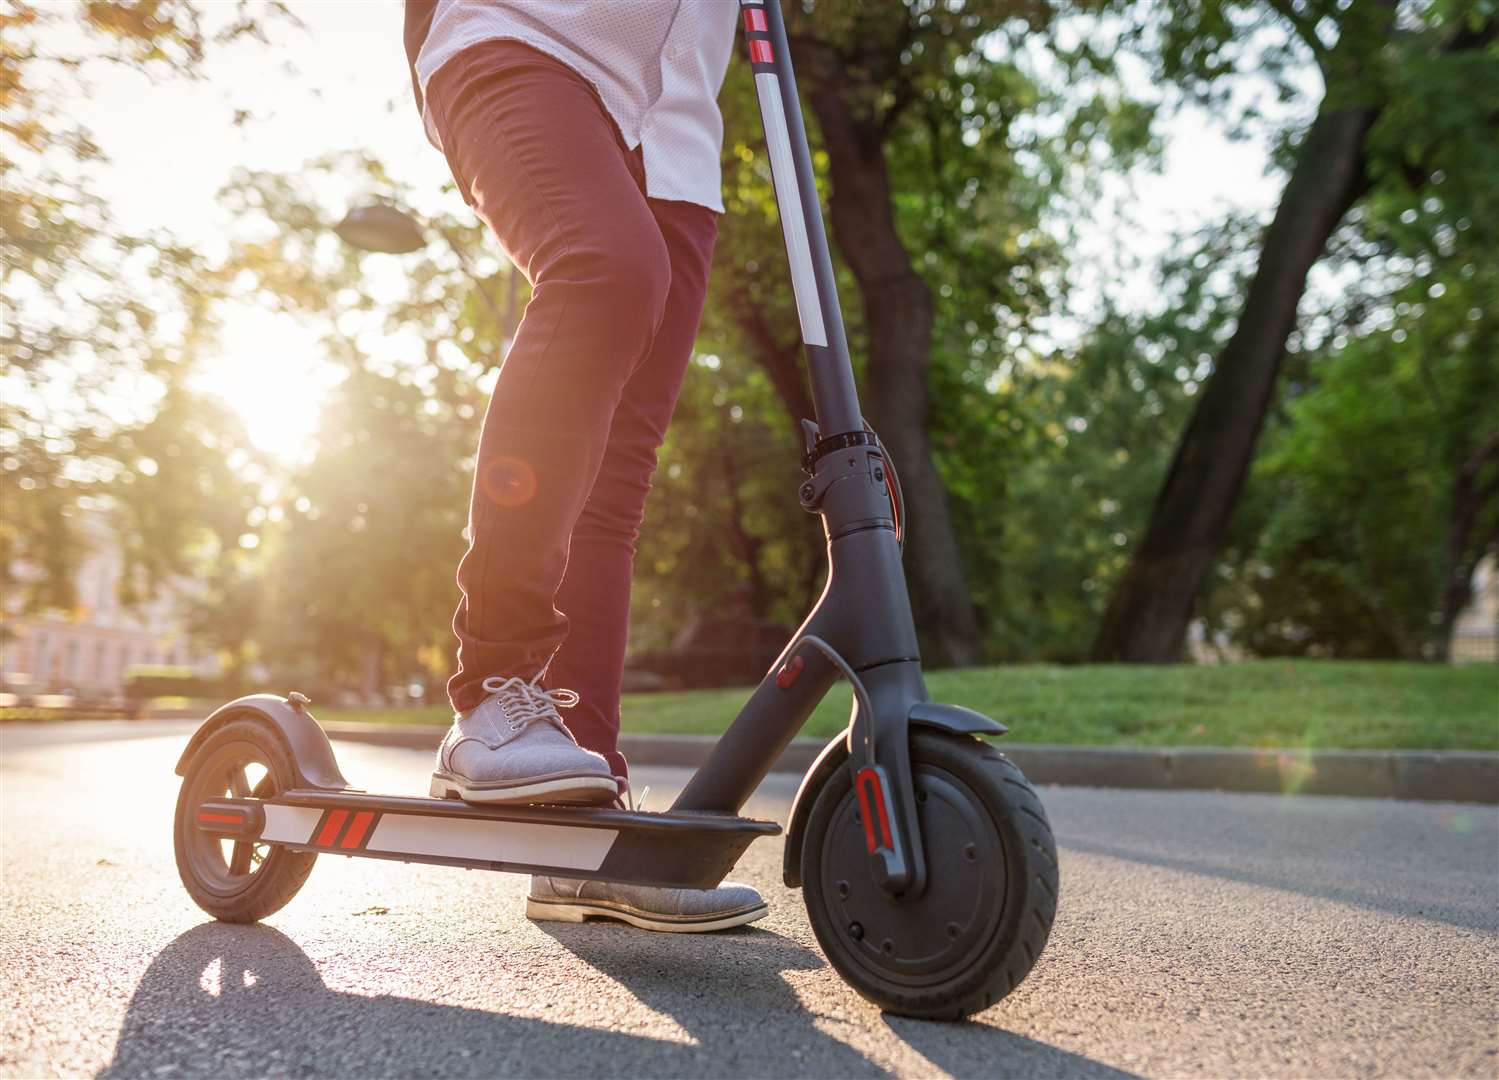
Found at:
(976, 930)
(236, 880)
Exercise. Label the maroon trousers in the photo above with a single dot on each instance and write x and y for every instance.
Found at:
(585, 394)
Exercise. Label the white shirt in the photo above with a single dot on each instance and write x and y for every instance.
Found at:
(657, 64)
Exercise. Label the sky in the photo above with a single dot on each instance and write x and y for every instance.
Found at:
(341, 83)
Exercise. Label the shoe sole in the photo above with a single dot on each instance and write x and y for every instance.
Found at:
(573, 911)
(552, 789)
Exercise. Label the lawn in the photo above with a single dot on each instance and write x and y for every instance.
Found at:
(1269, 703)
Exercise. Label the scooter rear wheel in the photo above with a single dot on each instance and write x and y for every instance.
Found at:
(237, 880)
(976, 930)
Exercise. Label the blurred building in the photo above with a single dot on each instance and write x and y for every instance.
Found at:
(1475, 635)
(86, 653)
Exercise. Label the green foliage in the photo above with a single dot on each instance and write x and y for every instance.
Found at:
(1377, 496)
(145, 683)
(1103, 422)
(1360, 481)
(357, 542)
(723, 531)
(94, 319)
(1359, 537)
(360, 574)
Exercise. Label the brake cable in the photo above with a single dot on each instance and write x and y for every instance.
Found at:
(892, 485)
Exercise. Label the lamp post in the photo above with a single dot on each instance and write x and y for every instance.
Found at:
(390, 230)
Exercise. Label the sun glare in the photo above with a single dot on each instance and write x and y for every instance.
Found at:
(269, 371)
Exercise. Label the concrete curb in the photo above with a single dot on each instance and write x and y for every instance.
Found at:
(1425, 775)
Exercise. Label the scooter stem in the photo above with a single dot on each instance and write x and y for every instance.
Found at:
(828, 366)
(861, 627)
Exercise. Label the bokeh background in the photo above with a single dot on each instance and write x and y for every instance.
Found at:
(1180, 319)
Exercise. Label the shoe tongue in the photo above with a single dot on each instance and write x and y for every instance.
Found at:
(487, 722)
(525, 716)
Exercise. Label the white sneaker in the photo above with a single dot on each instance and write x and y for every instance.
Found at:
(514, 748)
(678, 911)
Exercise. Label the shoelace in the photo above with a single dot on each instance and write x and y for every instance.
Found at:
(627, 801)
(525, 703)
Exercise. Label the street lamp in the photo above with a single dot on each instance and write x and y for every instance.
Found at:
(390, 230)
(381, 227)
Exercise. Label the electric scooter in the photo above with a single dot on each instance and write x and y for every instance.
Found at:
(924, 857)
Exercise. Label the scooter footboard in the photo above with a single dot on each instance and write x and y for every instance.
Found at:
(676, 849)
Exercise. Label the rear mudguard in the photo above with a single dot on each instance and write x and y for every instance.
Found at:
(954, 719)
(311, 753)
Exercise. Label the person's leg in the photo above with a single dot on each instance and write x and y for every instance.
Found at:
(539, 158)
(595, 591)
(595, 594)
(544, 167)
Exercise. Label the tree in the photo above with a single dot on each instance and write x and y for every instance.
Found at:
(1378, 491)
(360, 538)
(360, 580)
(1100, 430)
(186, 501)
(721, 536)
(98, 325)
(1359, 49)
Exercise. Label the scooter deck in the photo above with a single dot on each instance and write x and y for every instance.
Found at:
(681, 849)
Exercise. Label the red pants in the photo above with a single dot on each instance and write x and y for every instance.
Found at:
(586, 392)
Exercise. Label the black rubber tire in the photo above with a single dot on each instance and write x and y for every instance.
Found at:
(1009, 902)
(266, 889)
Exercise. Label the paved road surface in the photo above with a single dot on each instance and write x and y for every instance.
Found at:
(1199, 935)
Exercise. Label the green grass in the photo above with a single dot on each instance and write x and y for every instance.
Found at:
(1318, 704)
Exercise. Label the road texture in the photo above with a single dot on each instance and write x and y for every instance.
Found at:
(1199, 935)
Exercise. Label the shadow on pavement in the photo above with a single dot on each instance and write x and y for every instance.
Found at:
(978, 1050)
(768, 1032)
(757, 1025)
(228, 1001)
(1467, 917)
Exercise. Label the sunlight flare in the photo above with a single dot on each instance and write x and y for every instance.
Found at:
(270, 371)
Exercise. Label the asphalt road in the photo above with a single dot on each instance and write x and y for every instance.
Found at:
(1199, 935)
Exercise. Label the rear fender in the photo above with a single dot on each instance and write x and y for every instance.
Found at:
(954, 719)
(307, 745)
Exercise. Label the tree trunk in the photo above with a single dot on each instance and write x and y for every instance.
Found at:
(743, 542)
(1471, 497)
(781, 362)
(898, 317)
(1151, 606)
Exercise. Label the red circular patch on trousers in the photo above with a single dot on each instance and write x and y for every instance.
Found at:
(508, 481)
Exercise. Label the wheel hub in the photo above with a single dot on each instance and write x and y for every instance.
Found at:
(225, 867)
(923, 939)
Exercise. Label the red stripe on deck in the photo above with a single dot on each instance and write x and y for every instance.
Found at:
(330, 830)
(222, 819)
(358, 829)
